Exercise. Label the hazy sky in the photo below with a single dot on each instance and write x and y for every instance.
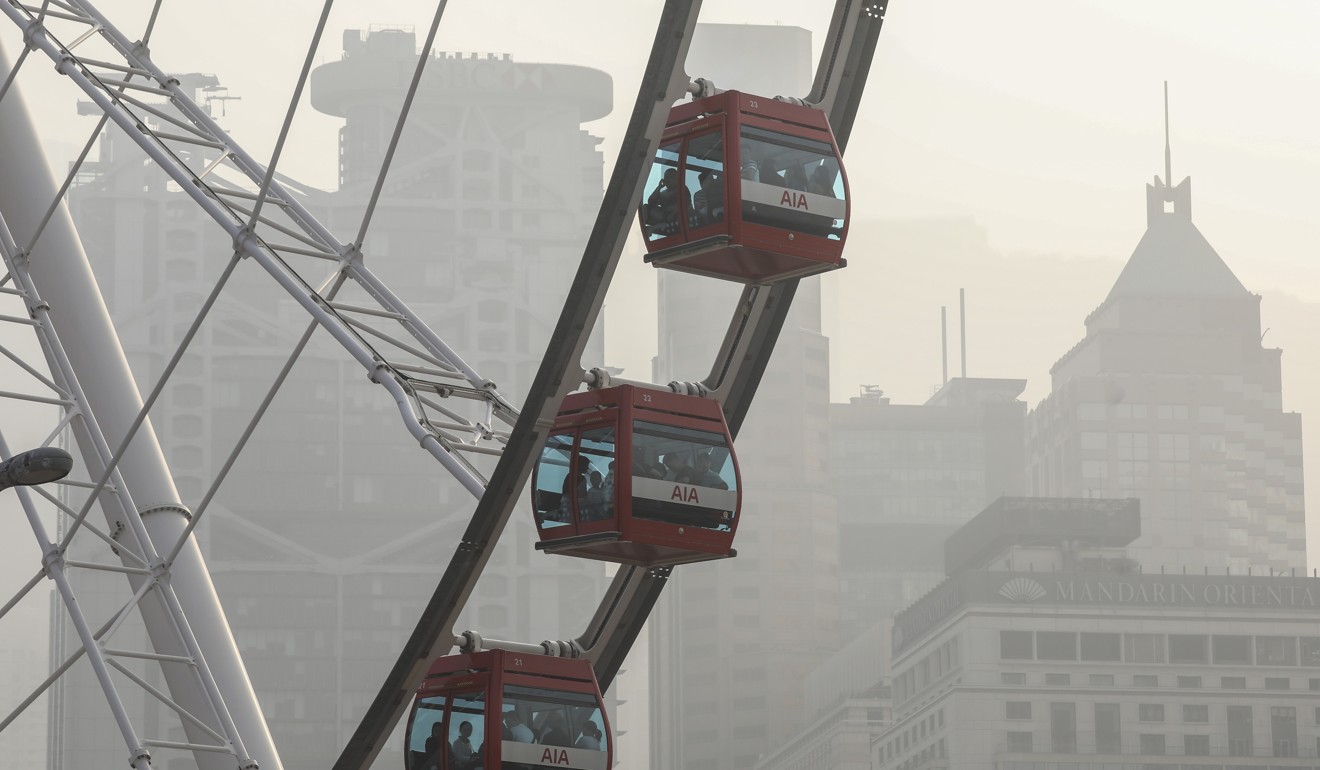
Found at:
(1036, 121)
(1039, 119)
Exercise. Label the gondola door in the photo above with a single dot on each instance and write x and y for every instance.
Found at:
(450, 726)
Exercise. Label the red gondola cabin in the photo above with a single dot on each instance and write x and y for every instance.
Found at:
(748, 189)
(637, 476)
(497, 710)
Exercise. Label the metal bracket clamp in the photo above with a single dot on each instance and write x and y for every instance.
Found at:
(700, 88)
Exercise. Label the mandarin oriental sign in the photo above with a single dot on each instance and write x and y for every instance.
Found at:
(1180, 591)
(1102, 590)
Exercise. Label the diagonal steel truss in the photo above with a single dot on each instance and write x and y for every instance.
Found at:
(448, 407)
(146, 568)
(268, 224)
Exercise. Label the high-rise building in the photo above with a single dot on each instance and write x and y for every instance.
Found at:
(1172, 398)
(732, 641)
(335, 528)
(1049, 647)
(907, 475)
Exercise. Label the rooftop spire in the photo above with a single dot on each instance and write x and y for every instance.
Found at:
(1168, 155)
(1163, 199)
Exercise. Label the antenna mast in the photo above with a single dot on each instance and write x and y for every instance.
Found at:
(1168, 155)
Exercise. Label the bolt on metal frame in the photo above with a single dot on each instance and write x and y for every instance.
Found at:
(141, 561)
(425, 370)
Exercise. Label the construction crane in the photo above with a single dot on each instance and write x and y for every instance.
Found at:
(449, 408)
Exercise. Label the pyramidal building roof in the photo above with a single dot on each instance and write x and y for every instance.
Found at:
(1173, 258)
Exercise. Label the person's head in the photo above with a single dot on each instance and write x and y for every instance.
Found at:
(675, 460)
(465, 729)
(437, 729)
(704, 179)
(596, 479)
(702, 462)
(671, 177)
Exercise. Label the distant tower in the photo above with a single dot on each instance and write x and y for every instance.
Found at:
(729, 655)
(334, 529)
(1172, 398)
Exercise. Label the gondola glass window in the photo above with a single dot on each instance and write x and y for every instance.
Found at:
(554, 488)
(792, 183)
(704, 176)
(456, 744)
(596, 491)
(667, 198)
(552, 729)
(683, 476)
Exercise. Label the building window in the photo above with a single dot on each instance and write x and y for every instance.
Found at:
(1145, 680)
(1283, 730)
(1196, 745)
(1152, 744)
(1058, 680)
(1015, 645)
(1233, 683)
(1108, 735)
(1239, 731)
(1196, 713)
(1315, 684)
(1277, 683)
(1188, 648)
(1311, 651)
(1015, 678)
(1232, 649)
(1102, 647)
(1021, 709)
(1019, 743)
(1063, 728)
(1056, 645)
(1190, 682)
(1102, 680)
(1276, 650)
(1150, 712)
(1144, 648)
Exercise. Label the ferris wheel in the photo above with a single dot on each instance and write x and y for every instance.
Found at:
(731, 186)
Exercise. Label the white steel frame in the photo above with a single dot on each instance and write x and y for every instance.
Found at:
(143, 564)
(418, 373)
(430, 384)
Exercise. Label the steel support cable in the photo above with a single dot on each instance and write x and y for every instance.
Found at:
(22, 592)
(288, 117)
(13, 72)
(160, 581)
(232, 223)
(247, 432)
(156, 391)
(52, 561)
(246, 164)
(559, 372)
(398, 125)
(285, 276)
(128, 512)
(755, 328)
(74, 170)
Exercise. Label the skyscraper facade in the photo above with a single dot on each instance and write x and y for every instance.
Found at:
(1172, 398)
(907, 475)
(334, 528)
(732, 641)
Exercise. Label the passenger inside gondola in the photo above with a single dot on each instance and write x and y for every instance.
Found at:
(699, 484)
(795, 164)
(665, 201)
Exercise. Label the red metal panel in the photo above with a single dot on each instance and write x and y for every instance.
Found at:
(734, 249)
